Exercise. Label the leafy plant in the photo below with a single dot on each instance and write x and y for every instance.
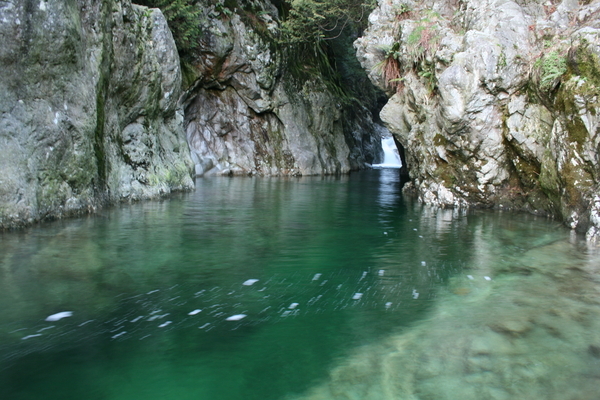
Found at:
(424, 38)
(552, 67)
(403, 11)
(183, 18)
(390, 68)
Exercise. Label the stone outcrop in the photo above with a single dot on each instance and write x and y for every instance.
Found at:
(246, 114)
(89, 108)
(495, 101)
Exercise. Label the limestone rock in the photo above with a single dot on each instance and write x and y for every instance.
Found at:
(89, 108)
(496, 103)
(246, 114)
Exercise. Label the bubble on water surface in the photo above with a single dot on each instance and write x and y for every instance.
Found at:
(31, 336)
(293, 305)
(357, 296)
(236, 317)
(381, 272)
(487, 278)
(46, 328)
(59, 316)
(165, 324)
(250, 282)
(118, 335)
(194, 312)
(316, 277)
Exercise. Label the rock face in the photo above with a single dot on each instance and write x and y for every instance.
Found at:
(495, 101)
(89, 108)
(245, 114)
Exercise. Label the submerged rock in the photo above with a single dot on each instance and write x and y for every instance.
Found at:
(492, 344)
(495, 102)
(89, 108)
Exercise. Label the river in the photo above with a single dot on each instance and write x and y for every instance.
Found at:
(298, 288)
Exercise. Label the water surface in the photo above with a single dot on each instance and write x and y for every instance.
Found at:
(312, 288)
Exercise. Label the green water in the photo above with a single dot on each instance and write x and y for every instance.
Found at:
(357, 294)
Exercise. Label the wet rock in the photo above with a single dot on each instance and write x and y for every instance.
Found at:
(246, 114)
(472, 136)
(513, 327)
(594, 350)
(89, 108)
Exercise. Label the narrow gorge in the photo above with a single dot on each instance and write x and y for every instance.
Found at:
(494, 101)
(492, 104)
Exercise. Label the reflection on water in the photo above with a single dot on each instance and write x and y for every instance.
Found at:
(312, 288)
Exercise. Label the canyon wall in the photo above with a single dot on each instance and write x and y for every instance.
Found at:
(247, 114)
(89, 110)
(495, 101)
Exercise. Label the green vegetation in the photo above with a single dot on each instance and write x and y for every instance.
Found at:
(183, 17)
(552, 67)
(390, 68)
(314, 21)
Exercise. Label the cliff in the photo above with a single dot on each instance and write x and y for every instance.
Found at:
(495, 101)
(246, 113)
(92, 105)
(89, 108)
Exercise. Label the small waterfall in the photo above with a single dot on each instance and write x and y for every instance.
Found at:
(391, 158)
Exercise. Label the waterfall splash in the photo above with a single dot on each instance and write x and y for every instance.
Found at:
(391, 157)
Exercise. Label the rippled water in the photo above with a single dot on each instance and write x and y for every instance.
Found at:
(303, 288)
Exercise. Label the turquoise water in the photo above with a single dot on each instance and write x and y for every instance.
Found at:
(303, 288)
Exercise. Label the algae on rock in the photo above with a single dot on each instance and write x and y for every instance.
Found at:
(90, 114)
(497, 104)
(247, 113)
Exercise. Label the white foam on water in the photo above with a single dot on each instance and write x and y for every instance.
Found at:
(48, 327)
(196, 311)
(153, 291)
(30, 336)
(118, 335)
(415, 294)
(423, 264)
(236, 317)
(381, 272)
(155, 317)
(388, 305)
(487, 278)
(59, 316)
(470, 277)
(136, 319)
(316, 277)
(324, 282)
(391, 157)
(363, 276)
(86, 322)
(165, 324)
(385, 233)
(293, 305)
(357, 296)
(204, 326)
